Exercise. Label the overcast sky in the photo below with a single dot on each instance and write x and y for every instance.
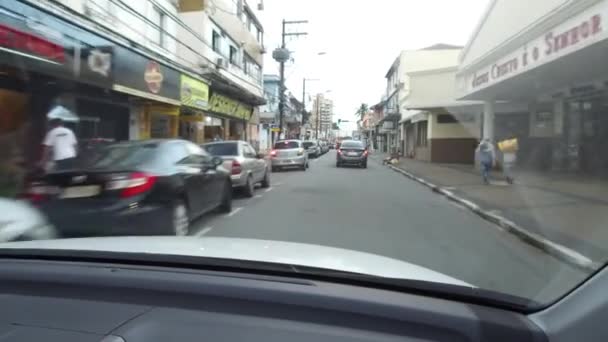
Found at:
(361, 39)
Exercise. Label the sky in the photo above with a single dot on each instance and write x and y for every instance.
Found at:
(360, 39)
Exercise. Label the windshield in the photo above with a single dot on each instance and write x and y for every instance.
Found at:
(351, 144)
(286, 145)
(118, 156)
(494, 118)
(222, 149)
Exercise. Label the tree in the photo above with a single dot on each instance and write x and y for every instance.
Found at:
(363, 109)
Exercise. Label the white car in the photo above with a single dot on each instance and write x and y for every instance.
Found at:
(20, 221)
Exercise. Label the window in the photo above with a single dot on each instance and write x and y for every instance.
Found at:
(248, 151)
(285, 145)
(222, 149)
(421, 133)
(251, 68)
(215, 41)
(259, 35)
(233, 55)
(159, 20)
(446, 119)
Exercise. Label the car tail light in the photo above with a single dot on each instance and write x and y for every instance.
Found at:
(236, 168)
(137, 183)
(273, 153)
(39, 191)
(301, 152)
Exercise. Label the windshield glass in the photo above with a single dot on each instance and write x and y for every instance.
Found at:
(285, 145)
(118, 156)
(352, 144)
(501, 112)
(222, 149)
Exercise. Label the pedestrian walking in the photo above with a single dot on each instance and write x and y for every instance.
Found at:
(59, 146)
(487, 157)
(509, 148)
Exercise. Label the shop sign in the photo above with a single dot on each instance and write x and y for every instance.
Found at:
(572, 35)
(227, 106)
(53, 46)
(141, 76)
(194, 93)
(30, 44)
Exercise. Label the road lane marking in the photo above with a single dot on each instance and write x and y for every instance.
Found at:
(204, 231)
(258, 196)
(268, 190)
(233, 212)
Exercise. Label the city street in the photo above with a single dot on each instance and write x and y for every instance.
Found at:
(378, 211)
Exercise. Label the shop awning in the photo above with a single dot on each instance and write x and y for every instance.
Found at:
(443, 104)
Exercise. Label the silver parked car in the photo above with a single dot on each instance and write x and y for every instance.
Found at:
(247, 167)
(289, 153)
(312, 148)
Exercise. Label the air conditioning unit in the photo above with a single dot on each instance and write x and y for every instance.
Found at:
(221, 63)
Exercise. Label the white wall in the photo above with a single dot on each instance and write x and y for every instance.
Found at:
(127, 24)
(505, 19)
(453, 130)
(432, 88)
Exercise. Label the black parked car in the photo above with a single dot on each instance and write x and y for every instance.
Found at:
(153, 187)
(352, 152)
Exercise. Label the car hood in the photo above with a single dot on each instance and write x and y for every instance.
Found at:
(253, 250)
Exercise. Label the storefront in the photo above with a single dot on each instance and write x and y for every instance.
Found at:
(154, 90)
(554, 65)
(229, 118)
(46, 63)
(195, 103)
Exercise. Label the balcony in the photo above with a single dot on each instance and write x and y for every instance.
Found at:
(190, 5)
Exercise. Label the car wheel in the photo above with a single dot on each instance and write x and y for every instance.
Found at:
(249, 188)
(226, 204)
(266, 180)
(179, 219)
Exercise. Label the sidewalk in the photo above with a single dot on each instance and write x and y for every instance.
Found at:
(568, 210)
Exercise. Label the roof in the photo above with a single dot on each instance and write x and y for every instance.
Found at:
(442, 46)
(432, 71)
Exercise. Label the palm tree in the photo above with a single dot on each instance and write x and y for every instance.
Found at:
(363, 109)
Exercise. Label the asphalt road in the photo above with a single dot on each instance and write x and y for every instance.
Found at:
(378, 211)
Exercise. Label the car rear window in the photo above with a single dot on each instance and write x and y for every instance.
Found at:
(119, 156)
(222, 149)
(307, 144)
(352, 144)
(284, 145)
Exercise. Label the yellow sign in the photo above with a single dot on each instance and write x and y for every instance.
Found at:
(275, 129)
(194, 93)
(227, 106)
(165, 110)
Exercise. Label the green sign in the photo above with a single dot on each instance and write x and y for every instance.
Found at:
(227, 106)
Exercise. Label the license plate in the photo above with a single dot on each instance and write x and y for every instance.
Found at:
(80, 191)
(352, 154)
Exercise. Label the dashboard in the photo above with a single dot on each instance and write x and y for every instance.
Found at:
(85, 301)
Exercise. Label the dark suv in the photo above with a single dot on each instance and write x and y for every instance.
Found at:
(352, 152)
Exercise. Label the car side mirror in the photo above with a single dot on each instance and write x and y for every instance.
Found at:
(217, 161)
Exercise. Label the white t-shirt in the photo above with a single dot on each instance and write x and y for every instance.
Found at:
(62, 141)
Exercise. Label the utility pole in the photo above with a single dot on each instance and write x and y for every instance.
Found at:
(281, 55)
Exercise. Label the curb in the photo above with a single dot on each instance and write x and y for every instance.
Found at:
(558, 251)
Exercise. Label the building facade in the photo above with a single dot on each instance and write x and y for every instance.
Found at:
(548, 60)
(322, 117)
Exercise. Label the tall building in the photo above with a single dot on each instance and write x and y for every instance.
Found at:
(322, 116)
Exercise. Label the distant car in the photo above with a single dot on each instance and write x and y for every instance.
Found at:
(21, 221)
(247, 167)
(312, 148)
(324, 146)
(147, 187)
(289, 154)
(352, 152)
